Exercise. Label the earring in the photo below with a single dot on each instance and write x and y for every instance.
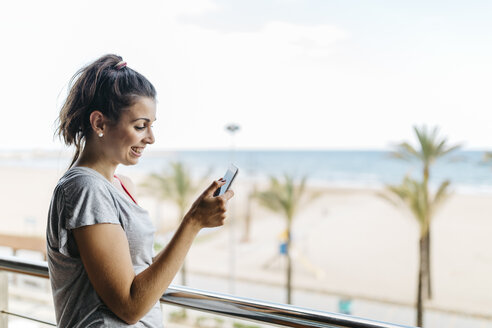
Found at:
(100, 134)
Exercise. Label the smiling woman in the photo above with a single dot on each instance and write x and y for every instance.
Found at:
(108, 116)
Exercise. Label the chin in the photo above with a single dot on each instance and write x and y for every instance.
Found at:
(130, 162)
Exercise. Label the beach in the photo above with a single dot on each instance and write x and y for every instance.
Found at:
(349, 241)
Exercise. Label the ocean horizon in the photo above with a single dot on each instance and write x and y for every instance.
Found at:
(466, 170)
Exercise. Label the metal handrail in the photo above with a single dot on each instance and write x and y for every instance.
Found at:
(237, 307)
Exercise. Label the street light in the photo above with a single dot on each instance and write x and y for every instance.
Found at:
(232, 128)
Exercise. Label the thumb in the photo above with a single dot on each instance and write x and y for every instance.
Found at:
(212, 188)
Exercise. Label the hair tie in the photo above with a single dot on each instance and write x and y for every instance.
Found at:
(120, 65)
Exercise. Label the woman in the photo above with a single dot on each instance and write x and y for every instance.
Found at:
(99, 240)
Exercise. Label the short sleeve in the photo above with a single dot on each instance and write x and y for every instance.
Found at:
(80, 201)
(88, 201)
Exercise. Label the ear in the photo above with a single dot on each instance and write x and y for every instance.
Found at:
(98, 121)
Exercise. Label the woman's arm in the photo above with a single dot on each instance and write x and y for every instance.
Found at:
(106, 257)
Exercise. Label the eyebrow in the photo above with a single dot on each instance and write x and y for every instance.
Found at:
(143, 118)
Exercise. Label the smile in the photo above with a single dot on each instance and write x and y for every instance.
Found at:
(137, 150)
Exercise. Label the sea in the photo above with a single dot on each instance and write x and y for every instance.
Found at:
(467, 170)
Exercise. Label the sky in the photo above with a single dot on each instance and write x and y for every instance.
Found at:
(293, 74)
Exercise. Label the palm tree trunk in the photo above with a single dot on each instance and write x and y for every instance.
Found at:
(183, 274)
(183, 267)
(428, 264)
(184, 315)
(427, 269)
(420, 285)
(288, 285)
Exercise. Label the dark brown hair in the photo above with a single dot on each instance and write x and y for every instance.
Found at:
(101, 86)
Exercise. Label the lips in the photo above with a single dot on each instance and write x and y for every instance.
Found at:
(137, 150)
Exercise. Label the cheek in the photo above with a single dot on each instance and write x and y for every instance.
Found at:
(126, 138)
(133, 137)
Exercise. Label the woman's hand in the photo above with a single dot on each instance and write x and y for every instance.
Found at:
(209, 211)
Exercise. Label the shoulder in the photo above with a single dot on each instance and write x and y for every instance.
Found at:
(88, 198)
(80, 176)
(80, 181)
(129, 185)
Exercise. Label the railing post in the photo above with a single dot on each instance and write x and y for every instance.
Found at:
(4, 299)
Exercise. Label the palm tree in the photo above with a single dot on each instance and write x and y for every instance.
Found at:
(414, 196)
(487, 157)
(286, 197)
(430, 148)
(175, 184)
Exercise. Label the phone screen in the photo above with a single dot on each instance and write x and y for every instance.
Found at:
(229, 178)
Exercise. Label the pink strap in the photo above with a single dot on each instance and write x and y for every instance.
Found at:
(126, 190)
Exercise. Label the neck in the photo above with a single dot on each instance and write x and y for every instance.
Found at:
(95, 160)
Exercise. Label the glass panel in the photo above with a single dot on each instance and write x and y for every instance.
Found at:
(178, 317)
(15, 322)
(31, 297)
(320, 300)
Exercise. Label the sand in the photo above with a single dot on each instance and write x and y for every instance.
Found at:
(349, 241)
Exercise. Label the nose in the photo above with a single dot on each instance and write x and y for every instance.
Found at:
(149, 138)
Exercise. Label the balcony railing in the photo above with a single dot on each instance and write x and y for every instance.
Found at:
(220, 304)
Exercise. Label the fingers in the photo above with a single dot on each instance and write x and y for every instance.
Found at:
(222, 219)
(211, 189)
(210, 211)
(228, 195)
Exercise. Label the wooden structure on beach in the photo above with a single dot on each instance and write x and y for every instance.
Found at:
(18, 242)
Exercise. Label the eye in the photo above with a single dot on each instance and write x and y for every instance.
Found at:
(139, 128)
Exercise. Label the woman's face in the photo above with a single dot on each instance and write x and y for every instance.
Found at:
(125, 141)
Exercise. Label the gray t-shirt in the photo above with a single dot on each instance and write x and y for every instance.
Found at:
(84, 197)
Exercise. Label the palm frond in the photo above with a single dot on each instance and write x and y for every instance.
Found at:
(284, 196)
(395, 201)
(445, 150)
(404, 151)
(175, 183)
(430, 147)
(411, 195)
(441, 194)
(269, 200)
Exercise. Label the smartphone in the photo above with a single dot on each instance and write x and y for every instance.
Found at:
(229, 178)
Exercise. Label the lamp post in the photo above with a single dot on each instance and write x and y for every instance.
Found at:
(232, 129)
